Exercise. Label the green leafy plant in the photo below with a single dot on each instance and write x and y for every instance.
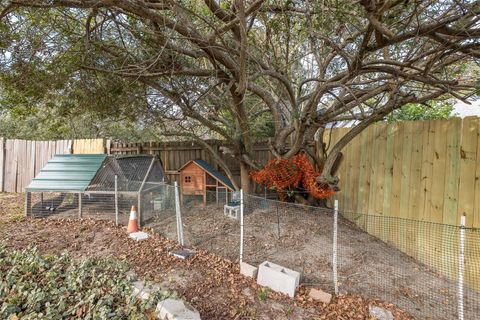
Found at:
(263, 294)
(434, 110)
(33, 286)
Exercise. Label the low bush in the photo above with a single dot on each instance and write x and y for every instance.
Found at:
(35, 286)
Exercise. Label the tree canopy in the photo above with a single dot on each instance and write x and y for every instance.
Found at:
(433, 110)
(241, 69)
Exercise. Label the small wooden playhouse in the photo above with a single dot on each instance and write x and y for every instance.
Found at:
(198, 177)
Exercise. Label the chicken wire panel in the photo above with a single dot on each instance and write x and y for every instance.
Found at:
(92, 205)
(131, 172)
(208, 228)
(471, 288)
(155, 201)
(162, 201)
(156, 174)
(43, 204)
(103, 206)
(413, 264)
(294, 236)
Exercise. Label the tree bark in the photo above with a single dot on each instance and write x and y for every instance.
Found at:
(245, 177)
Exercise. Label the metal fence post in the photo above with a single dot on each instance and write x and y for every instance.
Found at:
(178, 215)
(334, 258)
(241, 225)
(139, 209)
(278, 220)
(28, 203)
(116, 200)
(461, 268)
(80, 209)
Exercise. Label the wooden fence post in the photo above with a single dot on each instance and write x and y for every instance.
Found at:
(109, 146)
(2, 164)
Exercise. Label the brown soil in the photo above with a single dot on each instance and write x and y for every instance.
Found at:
(211, 283)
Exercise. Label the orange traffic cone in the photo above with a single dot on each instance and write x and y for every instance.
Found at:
(132, 222)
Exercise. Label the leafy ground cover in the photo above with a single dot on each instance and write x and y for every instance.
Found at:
(36, 286)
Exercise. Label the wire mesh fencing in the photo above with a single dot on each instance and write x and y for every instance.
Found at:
(427, 269)
(106, 205)
(294, 236)
(81, 205)
(203, 225)
(418, 266)
(413, 264)
(430, 270)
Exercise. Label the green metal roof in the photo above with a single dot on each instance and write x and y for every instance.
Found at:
(67, 173)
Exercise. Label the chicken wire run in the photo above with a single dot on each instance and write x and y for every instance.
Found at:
(100, 186)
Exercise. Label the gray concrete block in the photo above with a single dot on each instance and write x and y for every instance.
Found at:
(278, 278)
(175, 309)
(248, 270)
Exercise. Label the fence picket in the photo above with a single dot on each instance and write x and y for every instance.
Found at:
(2, 164)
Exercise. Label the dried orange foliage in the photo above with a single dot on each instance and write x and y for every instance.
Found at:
(282, 174)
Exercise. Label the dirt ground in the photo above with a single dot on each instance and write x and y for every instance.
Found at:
(302, 240)
(211, 283)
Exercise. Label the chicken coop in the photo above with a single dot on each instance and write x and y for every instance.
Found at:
(99, 186)
(198, 179)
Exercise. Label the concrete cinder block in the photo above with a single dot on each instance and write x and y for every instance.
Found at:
(278, 278)
(248, 270)
(174, 309)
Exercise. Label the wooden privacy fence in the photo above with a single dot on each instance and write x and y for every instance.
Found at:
(175, 154)
(22, 160)
(426, 171)
(88, 146)
(419, 170)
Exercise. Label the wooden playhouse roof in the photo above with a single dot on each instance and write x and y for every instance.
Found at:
(211, 171)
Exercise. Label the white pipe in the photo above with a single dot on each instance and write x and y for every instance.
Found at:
(241, 225)
(334, 259)
(178, 214)
(116, 200)
(461, 268)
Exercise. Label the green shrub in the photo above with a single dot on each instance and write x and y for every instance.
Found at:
(33, 286)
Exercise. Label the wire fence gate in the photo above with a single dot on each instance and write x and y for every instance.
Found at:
(430, 270)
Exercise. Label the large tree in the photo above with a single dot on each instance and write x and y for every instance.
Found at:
(223, 68)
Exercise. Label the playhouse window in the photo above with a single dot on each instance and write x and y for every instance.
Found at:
(188, 179)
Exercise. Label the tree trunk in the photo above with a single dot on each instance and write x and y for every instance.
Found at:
(245, 177)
